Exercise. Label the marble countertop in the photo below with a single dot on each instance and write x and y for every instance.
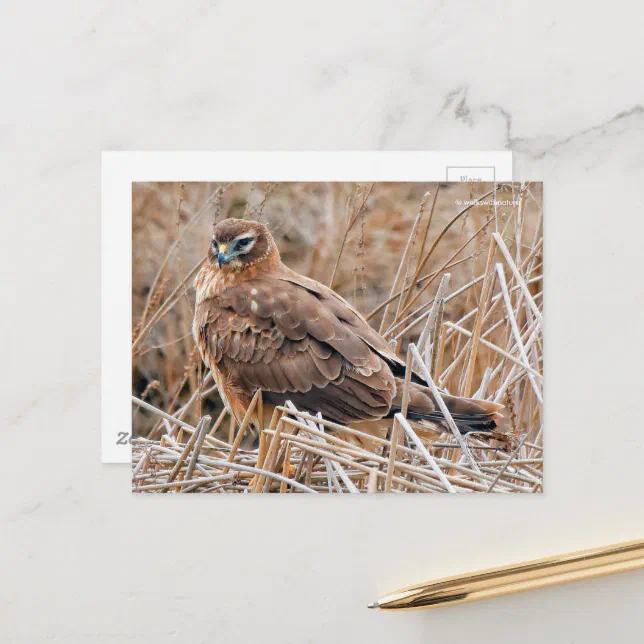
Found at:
(559, 85)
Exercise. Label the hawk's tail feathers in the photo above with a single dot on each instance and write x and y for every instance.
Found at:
(469, 414)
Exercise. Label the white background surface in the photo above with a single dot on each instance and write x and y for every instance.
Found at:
(561, 86)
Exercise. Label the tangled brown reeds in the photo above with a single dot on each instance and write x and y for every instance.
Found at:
(451, 275)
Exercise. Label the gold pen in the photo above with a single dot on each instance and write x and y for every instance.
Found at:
(515, 578)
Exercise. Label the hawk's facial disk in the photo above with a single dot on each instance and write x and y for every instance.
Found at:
(238, 244)
(234, 250)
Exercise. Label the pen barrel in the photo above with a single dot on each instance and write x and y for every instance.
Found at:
(519, 577)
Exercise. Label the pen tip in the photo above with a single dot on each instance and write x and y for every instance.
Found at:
(373, 605)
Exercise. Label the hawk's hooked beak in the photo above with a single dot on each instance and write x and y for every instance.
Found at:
(222, 258)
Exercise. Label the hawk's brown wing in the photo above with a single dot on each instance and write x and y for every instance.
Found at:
(344, 311)
(297, 344)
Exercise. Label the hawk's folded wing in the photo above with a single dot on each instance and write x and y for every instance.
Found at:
(298, 343)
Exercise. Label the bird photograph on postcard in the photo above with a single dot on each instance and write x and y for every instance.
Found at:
(337, 338)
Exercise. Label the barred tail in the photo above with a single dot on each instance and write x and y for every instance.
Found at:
(469, 414)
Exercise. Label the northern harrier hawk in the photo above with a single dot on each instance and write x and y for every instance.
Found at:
(260, 325)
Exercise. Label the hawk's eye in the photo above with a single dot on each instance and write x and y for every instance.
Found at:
(242, 243)
(215, 245)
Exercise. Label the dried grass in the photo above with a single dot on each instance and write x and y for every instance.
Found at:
(465, 312)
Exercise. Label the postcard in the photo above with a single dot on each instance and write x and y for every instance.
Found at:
(120, 170)
(336, 336)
